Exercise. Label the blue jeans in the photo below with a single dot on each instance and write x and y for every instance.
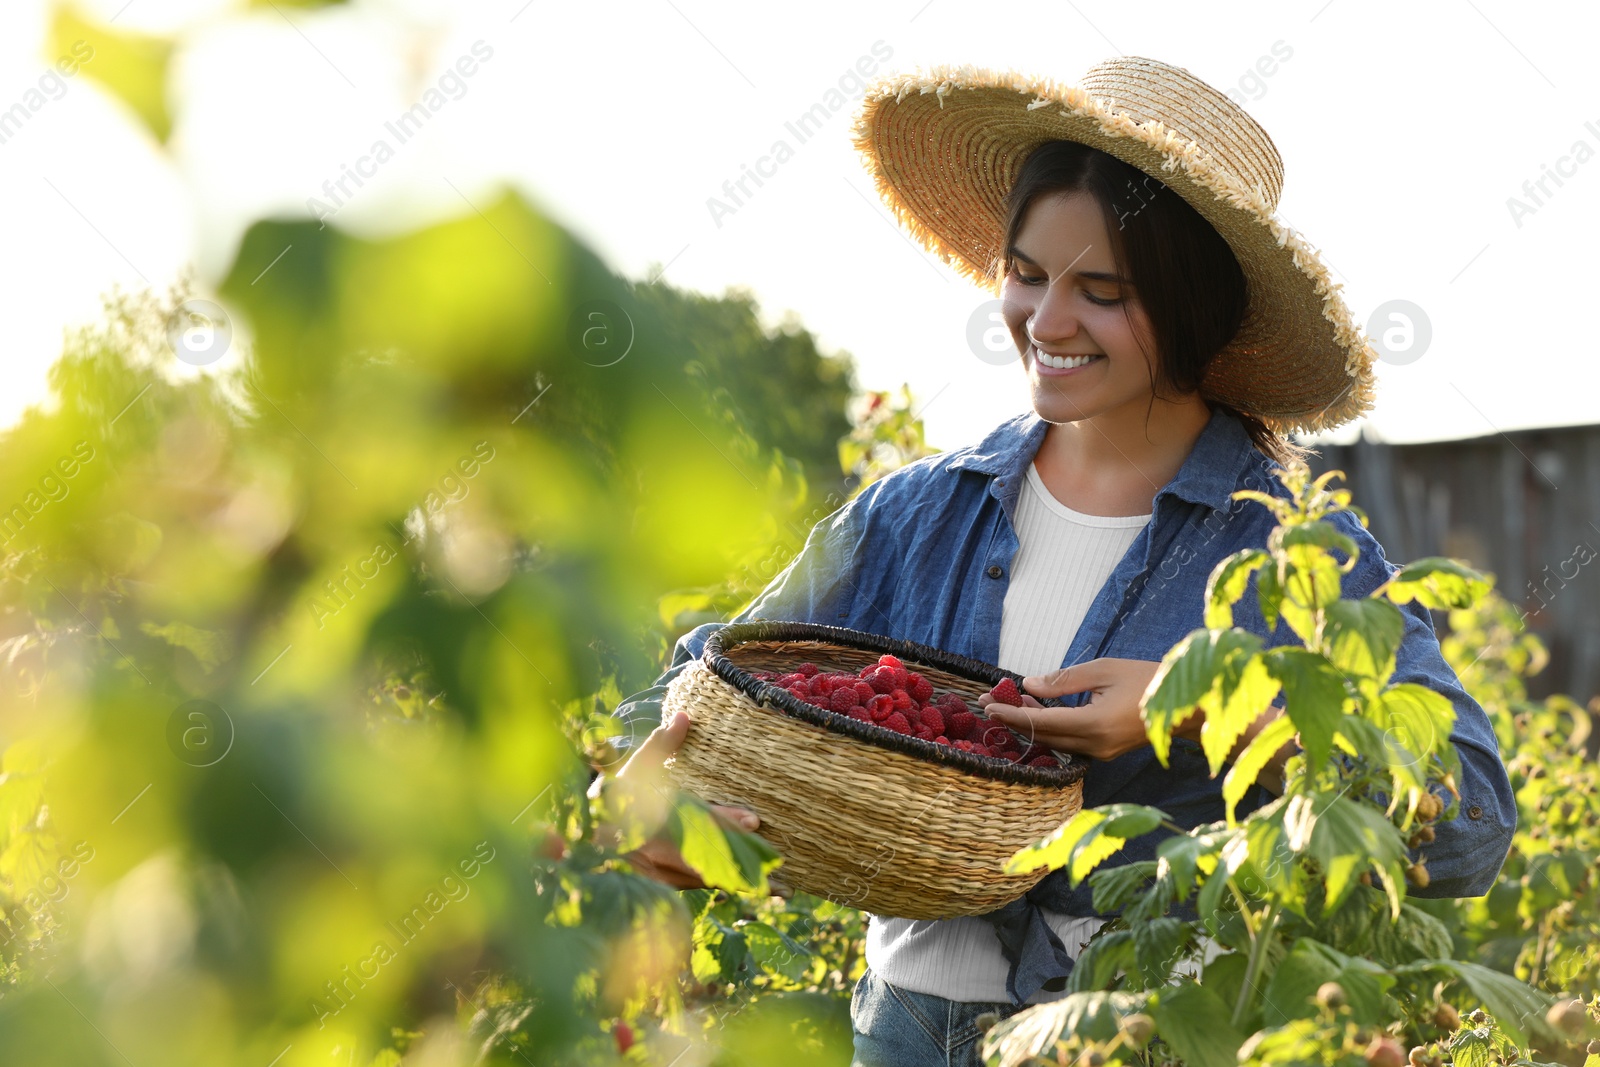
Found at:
(894, 1027)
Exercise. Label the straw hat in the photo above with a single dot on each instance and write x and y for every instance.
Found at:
(944, 147)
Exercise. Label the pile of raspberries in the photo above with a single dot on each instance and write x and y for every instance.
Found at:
(888, 694)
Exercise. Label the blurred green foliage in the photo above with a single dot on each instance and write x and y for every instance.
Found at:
(1541, 921)
(300, 657)
(132, 66)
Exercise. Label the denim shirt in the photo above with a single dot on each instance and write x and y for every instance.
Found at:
(924, 554)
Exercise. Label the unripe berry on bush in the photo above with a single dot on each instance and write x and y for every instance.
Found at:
(1330, 995)
(1446, 1018)
(1139, 1028)
(1385, 1052)
(1568, 1016)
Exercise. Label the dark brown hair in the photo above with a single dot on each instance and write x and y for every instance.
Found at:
(1187, 279)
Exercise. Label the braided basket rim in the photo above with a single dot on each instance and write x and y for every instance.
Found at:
(767, 695)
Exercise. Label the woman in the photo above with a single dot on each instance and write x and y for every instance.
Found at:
(1171, 332)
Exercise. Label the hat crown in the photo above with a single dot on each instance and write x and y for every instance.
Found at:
(1149, 90)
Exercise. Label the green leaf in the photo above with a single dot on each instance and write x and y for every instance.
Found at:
(1310, 963)
(1194, 1024)
(1192, 674)
(1266, 843)
(1233, 855)
(1156, 946)
(1094, 1016)
(1085, 840)
(1247, 768)
(1437, 583)
(1227, 584)
(727, 859)
(1281, 509)
(1269, 594)
(1114, 887)
(719, 952)
(1416, 721)
(1314, 698)
(775, 951)
(1322, 535)
(1415, 935)
(1245, 692)
(1347, 836)
(1518, 1009)
(1362, 636)
(1473, 1048)
(1183, 854)
(1108, 953)
(1310, 584)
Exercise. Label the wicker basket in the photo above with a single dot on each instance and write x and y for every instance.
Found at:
(863, 816)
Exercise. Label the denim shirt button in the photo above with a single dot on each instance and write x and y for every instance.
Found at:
(995, 571)
(1474, 812)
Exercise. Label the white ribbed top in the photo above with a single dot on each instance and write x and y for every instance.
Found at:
(1063, 559)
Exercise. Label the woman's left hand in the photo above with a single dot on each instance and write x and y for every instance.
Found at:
(1108, 726)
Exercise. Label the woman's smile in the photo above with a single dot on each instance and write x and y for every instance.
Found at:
(1050, 366)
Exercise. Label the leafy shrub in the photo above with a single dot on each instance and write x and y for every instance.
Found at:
(1311, 951)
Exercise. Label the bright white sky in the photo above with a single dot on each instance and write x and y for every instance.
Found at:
(1405, 127)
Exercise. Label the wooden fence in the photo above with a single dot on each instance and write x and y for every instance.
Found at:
(1524, 505)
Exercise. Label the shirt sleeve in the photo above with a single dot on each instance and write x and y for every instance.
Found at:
(1467, 852)
(819, 585)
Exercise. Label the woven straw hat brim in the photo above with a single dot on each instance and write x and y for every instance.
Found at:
(944, 145)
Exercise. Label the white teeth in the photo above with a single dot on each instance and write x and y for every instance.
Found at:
(1062, 362)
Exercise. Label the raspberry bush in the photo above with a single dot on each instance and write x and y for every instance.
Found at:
(1317, 956)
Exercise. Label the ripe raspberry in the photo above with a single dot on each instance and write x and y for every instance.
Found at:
(789, 681)
(952, 703)
(880, 707)
(925, 733)
(902, 677)
(1010, 755)
(933, 718)
(1006, 693)
(800, 693)
(866, 691)
(881, 680)
(1033, 752)
(903, 701)
(961, 725)
(887, 660)
(920, 688)
(998, 737)
(963, 745)
(897, 722)
(1043, 761)
(844, 698)
(859, 712)
(808, 669)
(941, 740)
(980, 750)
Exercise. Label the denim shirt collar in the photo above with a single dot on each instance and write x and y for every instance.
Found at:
(1208, 476)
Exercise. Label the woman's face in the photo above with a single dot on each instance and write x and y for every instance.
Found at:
(1092, 348)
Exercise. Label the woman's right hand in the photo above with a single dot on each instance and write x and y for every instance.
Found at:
(658, 857)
